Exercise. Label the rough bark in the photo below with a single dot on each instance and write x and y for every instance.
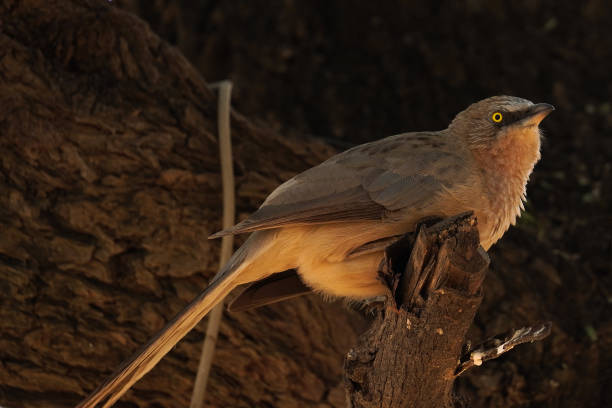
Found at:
(109, 187)
(408, 358)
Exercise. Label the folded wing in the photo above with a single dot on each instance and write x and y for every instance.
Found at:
(374, 181)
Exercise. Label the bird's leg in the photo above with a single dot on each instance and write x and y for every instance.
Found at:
(373, 304)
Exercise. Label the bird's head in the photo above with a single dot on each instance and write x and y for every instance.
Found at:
(500, 121)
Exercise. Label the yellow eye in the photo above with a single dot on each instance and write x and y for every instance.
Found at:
(497, 117)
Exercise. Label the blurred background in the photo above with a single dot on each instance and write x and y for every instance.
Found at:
(349, 72)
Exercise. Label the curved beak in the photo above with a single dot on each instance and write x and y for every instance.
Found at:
(536, 113)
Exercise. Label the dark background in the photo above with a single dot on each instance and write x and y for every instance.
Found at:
(350, 72)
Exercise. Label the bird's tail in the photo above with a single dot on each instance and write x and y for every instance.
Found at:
(149, 355)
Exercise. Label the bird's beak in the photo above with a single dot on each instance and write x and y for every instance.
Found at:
(536, 113)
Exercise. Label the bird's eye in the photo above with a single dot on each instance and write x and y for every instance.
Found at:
(497, 117)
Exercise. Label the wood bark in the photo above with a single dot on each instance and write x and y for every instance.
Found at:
(408, 358)
(109, 187)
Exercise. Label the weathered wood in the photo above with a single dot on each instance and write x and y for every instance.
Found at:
(409, 356)
(109, 187)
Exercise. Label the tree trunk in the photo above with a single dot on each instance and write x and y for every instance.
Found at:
(109, 187)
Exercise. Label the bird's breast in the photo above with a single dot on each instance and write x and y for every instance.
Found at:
(504, 171)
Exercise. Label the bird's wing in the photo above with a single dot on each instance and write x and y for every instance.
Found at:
(277, 287)
(373, 181)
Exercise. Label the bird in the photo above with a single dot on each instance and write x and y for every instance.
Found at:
(327, 228)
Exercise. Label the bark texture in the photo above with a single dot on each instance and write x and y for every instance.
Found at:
(409, 356)
(109, 187)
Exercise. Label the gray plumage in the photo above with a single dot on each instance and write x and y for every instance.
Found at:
(375, 181)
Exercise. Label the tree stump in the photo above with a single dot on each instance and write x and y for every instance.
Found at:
(408, 358)
(416, 347)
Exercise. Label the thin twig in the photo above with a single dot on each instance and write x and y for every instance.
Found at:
(229, 209)
(498, 345)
